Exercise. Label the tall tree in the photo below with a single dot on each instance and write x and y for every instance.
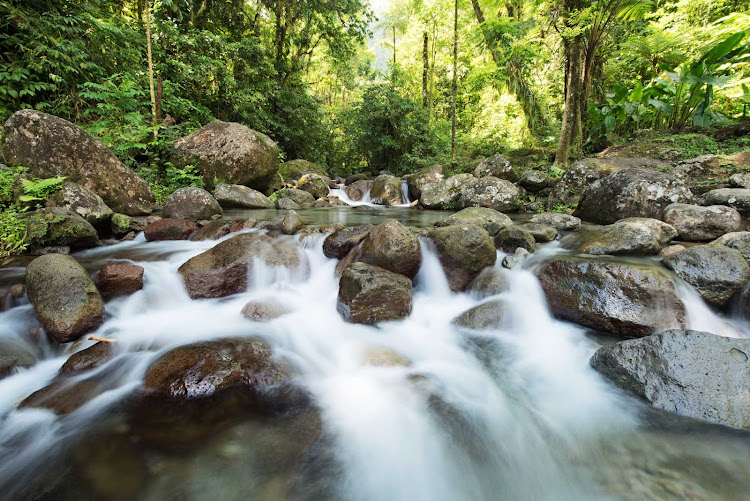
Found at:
(454, 83)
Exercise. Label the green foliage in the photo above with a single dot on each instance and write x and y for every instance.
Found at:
(40, 189)
(13, 233)
(276, 195)
(164, 182)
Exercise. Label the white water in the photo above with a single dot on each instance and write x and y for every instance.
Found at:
(340, 192)
(511, 414)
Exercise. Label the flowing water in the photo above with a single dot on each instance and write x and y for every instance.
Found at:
(512, 414)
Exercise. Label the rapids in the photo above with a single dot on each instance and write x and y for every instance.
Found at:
(514, 414)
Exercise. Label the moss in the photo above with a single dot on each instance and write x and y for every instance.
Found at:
(121, 221)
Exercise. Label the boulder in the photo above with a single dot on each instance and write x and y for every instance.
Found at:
(392, 246)
(263, 311)
(170, 229)
(359, 190)
(562, 222)
(291, 223)
(229, 152)
(64, 297)
(490, 315)
(513, 261)
(630, 236)
(386, 190)
(738, 240)
(338, 244)
(195, 204)
(623, 299)
(418, 179)
(489, 282)
(235, 196)
(224, 269)
(353, 178)
(286, 203)
(568, 189)
(694, 374)
(534, 181)
(542, 233)
(671, 249)
(330, 201)
(740, 181)
(59, 227)
(120, 279)
(493, 193)
(489, 219)
(83, 202)
(444, 194)
(90, 358)
(315, 184)
(514, 237)
(14, 355)
(295, 169)
(716, 271)
(631, 193)
(50, 147)
(63, 396)
(300, 197)
(699, 224)
(464, 251)
(212, 231)
(737, 198)
(497, 166)
(370, 294)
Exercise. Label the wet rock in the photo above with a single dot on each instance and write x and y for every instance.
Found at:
(14, 355)
(541, 232)
(422, 177)
(92, 357)
(120, 279)
(513, 237)
(392, 246)
(295, 169)
(493, 193)
(170, 229)
(694, 374)
(716, 271)
(224, 269)
(330, 201)
(629, 300)
(443, 195)
(478, 216)
(358, 190)
(384, 357)
(490, 315)
(631, 236)
(194, 204)
(286, 203)
(698, 224)
(489, 282)
(291, 223)
(59, 227)
(235, 196)
(737, 198)
(263, 311)
(497, 166)
(738, 240)
(672, 249)
(386, 190)
(212, 231)
(315, 184)
(50, 147)
(631, 193)
(63, 396)
(229, 152)
(17, 291)
(464, 251)
(534, 181)
(337, 245)
(83, 202)
(514, 260)
(740, 181)
(562, 222)
(369, 294)
(65, 299)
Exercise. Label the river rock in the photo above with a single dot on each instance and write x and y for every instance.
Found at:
(386, 190)
(384, 357)
(442, 195)
(568, 189)
(338, 244)
(229, 152)
(623, 299)
(562, 222)
(489, 282)
(195, 204)
(740, 181)
(671, 249)
(120, 279)
(291, 223)
(478, 216)
(534, 181)
(737, 198)
(422, 177)
(14, 355)
(170, 229)
(370, 294)
(300, 197)
(263, 311)
(295, 169)
(716, 271)
(699, 224)
(315, 184)
(59, 227)
(65, 299)
(513, 261)
(224, 269)
(541, 232)
(235, 196)
(694, 374)
(212, 231)
(63, 396)
(490, 315)
(513, 237)
(630, 236)
(90, 358)
(497, 166)
(392, 246)
(83, 202)
(631, 193)
(286, 203)
(492, 192)
(50, 147)
(358, 190)
(464, 251)
(739, 240)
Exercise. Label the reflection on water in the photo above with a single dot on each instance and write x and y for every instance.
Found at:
(348, 216)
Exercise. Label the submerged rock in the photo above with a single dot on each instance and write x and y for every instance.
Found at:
(370, 294)
(490, 315)
(92, 357)
(464, 251)
(699, 224)
(194, 204)
(338, 244)
(65, 299)
(489, 282)
(14, 355)
(694, 374)
(235, 196)
(120, 279)
(493, 193)
(63, 396)
(170, 229)
(629, 300)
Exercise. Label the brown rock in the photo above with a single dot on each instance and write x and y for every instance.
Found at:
(120, 279)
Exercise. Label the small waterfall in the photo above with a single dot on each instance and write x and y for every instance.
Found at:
(340, 192)
(405, 193)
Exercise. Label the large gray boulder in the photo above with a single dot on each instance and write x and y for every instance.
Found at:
(630, 236)
(497, 166)
(65, 299)
(716, 271)
(694, 374)
(699, 224)
(236, 196)
(493, 193)
(50, 147)
(83, 202)
(58, 227)
(194, 204)
(229, 152)
(386, 190)
(302, 198)
(737, 198)
(444, 194)
(489, 219)
(623, 299)
(568, 189)
(631, 193)
(392, 246)
(464, 251)
(422, 177)
(370, 294)
(562, 222)
(739, 240)
(489, 282)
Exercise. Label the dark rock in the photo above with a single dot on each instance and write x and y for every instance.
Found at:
(490, 315)
(235, 196)
(534, 181)
(337, 245)
(63, 396)
(194, 204)
(120, 279)
(291, 223)
(489, 282)
(370, 294)
(212, 231)
(417, 180)
(286, 203)
(392, 246)
(493, 193)
(541, 232)
(14, 355)
(354, 178)
(386, 190)
(562, 222)
(83, 202)
(464, 251)
(170, 229)
(90, 358)
(698, 224)
(513, 237)
(59, 227)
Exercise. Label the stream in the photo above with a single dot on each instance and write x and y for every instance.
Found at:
(513, 414)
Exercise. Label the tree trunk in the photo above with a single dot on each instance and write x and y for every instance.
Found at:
(454, 87)
(159, 95)
(425, 69)
(393, 27)
(570, 143)
(151, 70)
